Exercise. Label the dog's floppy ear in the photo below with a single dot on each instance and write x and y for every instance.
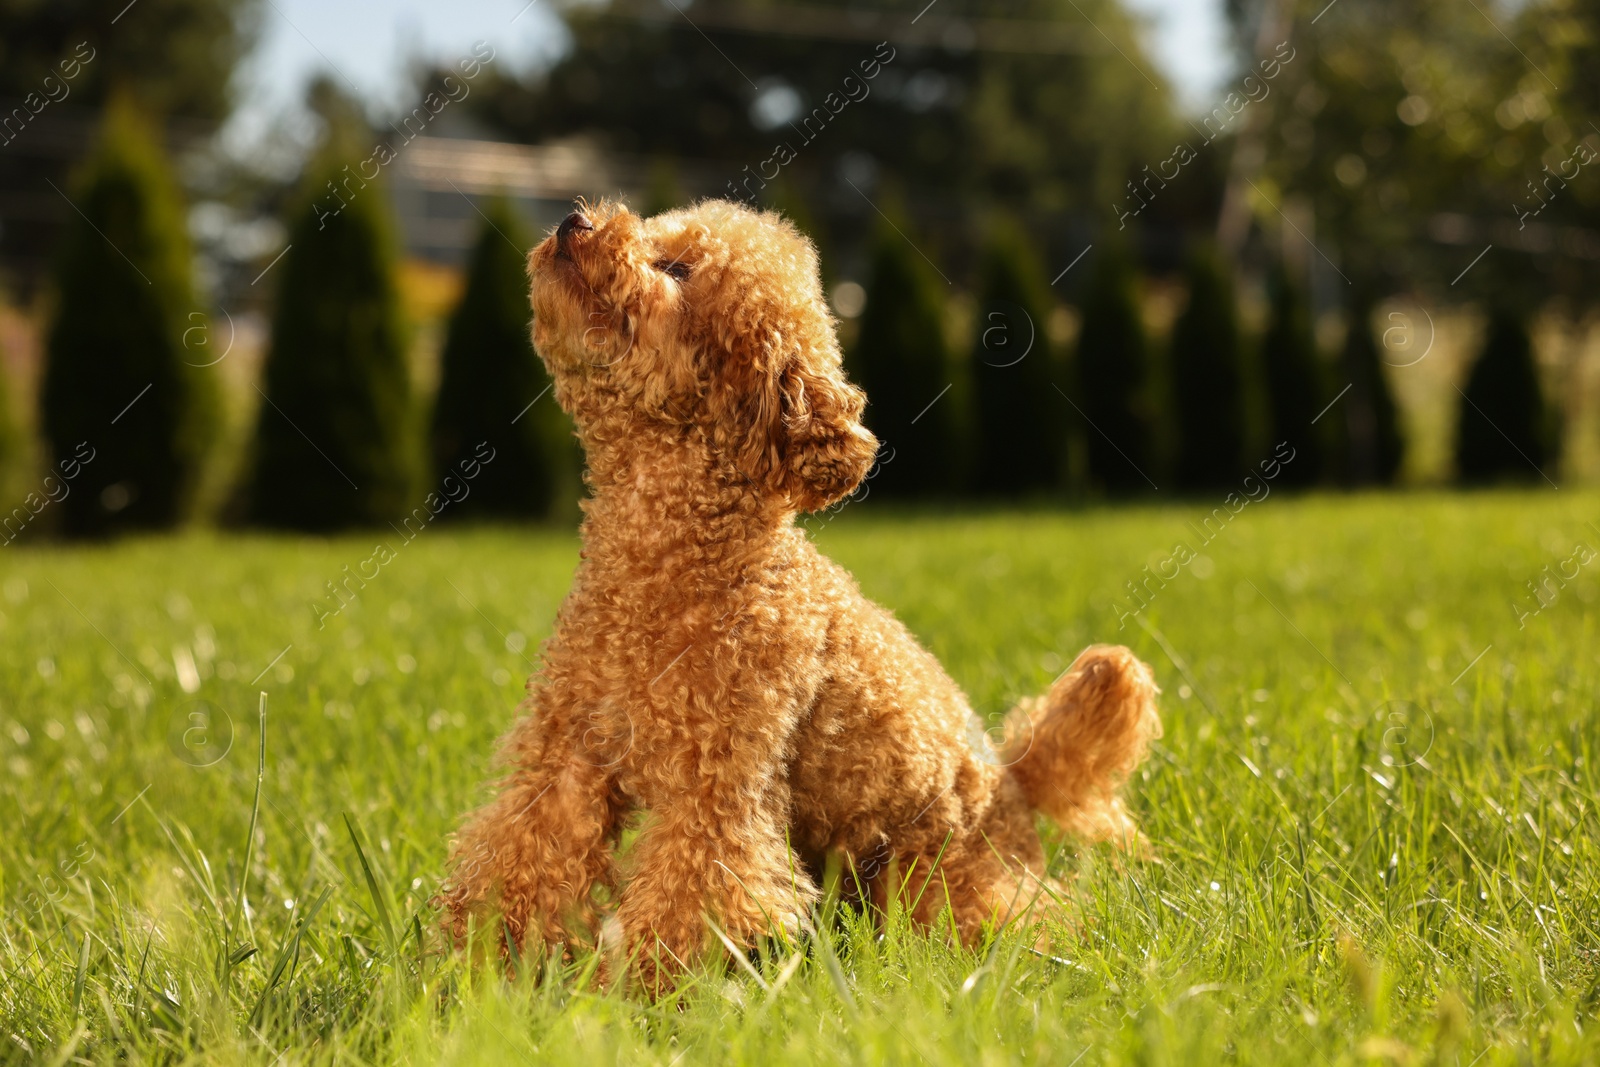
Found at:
(792, 421)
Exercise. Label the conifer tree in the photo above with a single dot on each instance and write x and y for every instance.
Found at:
(13, 446)
(1207, 383)
(1112, 369)
(1020, 423)
(118, 385)
(900, 358)
(492, 387)
(1500, 434)
(785, 197)
(1294, 393)
(1374, 447)
(662, 192)
(335, 439)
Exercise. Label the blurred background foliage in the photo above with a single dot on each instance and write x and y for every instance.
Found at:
(1383, 223)
(487, 370)
(121, 381)
(337, 439)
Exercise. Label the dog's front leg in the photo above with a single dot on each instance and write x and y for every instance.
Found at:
(714, 849)
(717, 855)
(532, 856)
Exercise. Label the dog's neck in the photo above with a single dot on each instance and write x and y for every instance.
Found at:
(659, 493)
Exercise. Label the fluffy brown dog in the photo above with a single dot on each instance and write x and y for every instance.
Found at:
(712, 668)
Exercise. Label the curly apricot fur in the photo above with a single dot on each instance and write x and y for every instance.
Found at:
(712, 670)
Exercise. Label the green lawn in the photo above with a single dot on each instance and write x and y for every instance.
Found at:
(1374, 840)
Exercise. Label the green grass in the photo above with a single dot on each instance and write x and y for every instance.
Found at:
(1364, 850)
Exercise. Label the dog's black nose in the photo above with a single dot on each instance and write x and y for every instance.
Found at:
(575, 221)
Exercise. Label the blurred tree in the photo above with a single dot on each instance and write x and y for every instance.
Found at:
(1112, 369)
(786, 200)
(1294, 391)
(663, 193)
(1374, 448)
(962, 104)
(13, 448)
(1500, 435)
(1563, 37)
(61, 60)
(900, 358)
(1415, 135)
(494, 389)
(1020, 428)
(1206, 378)
(335, 442)
(175, 57)
(1567, 36)
(1438, 149)
(118, 381)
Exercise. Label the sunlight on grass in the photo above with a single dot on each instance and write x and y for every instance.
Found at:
(1373, 810)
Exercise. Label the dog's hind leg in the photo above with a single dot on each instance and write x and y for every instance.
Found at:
(533, 856)
(987, 873)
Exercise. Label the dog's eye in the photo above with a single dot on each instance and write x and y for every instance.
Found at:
(677, 269)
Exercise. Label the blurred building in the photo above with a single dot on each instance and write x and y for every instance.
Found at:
(436, 179)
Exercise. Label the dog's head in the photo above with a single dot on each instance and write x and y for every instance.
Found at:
(710, 316)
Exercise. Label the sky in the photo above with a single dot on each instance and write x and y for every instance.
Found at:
(369, 45)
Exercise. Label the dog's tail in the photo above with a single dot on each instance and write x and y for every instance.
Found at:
(1073, 749)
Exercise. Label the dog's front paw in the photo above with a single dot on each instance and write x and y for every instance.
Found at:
(784, 918)
(653, 954)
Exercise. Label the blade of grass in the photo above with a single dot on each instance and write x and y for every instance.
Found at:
(229, 951)
(255, 814)
(929, 878)
(830, 964)
(65, 1054)
(738, 954)
(286, 952)
(513, 951)
(378, 903)
(77, 981)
